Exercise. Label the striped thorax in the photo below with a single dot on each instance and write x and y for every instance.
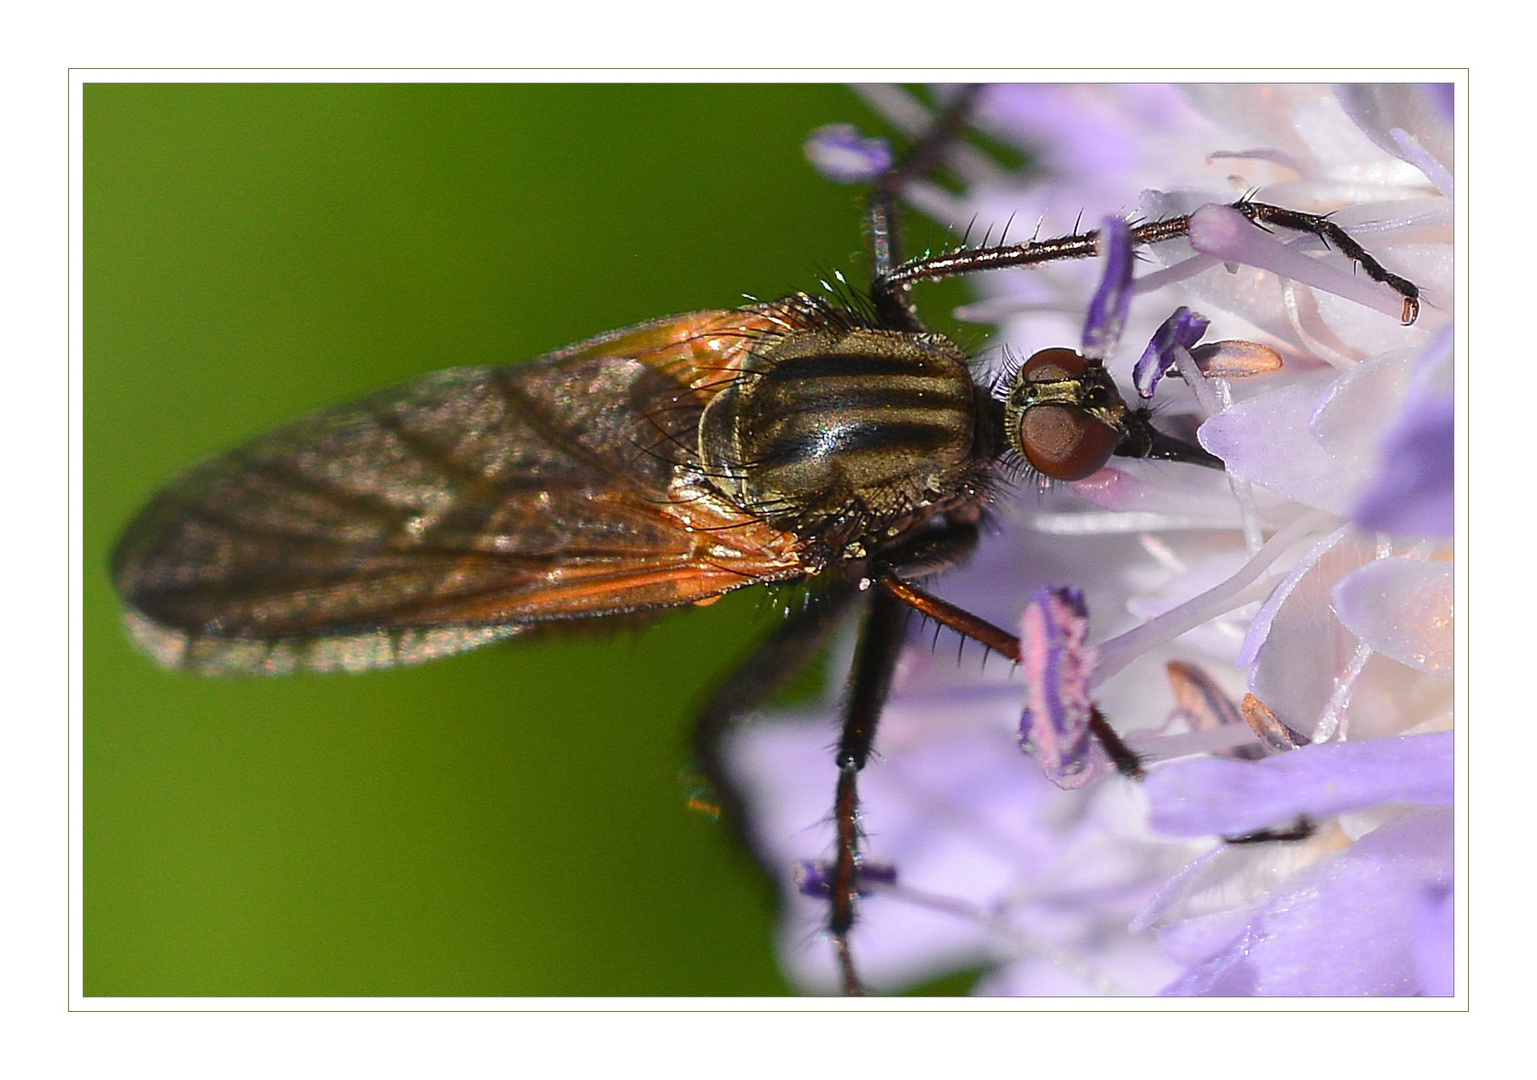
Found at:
(845, 433)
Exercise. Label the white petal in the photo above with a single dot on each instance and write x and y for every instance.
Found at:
(1403, 609)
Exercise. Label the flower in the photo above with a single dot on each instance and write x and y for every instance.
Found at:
(1313, 581)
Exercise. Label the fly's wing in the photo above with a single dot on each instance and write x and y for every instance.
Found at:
(454, 510)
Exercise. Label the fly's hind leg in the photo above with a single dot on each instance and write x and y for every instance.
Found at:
(789, 649)
(895, 595)
(755, 680)
(999, 640)
(880, 645)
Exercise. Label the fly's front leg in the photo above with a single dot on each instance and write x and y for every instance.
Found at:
(883, 217)
(1330, 233)
(1084, 245)
(1264, 215)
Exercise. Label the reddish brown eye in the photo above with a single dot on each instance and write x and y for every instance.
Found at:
(1064, 443)
(1056, 404)
(1049, 365)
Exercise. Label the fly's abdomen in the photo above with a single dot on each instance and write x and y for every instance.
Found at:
(833, 426)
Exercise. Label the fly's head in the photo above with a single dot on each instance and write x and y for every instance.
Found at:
(1063, 414)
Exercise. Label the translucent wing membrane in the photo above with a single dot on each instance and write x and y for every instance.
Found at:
(460, 508)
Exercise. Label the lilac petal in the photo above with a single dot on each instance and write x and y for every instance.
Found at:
(1227, 234)
(1435, 942)
(1413, 491)
(1156, 500)
(1410, 149)
(840, 153)
(1347, 927)
(1090, 136)
(1179, 331)
(1409, 121)
(1120, 967)
(1057, 662)
(1264, 620)
(1212, 899)
(1112, 300)
(1403, 609)
(1267, 441)
(1414, 495)
(1353, 416)
(1195, 940)
(1306, 665)
(1212, 796)
(1443, 96)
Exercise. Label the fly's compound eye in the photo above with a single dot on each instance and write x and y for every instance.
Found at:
(1063, 414)
(1054, 365)
(1064, 443)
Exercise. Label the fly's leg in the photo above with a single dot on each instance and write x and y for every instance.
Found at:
(883, 215)
(789, 649)
(1319, 225)
(1301, 828)
(888, 287)
(1263, 214)
(1000, 641)
(879, 646)
(880, 643)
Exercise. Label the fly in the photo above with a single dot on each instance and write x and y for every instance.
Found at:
(840, 443)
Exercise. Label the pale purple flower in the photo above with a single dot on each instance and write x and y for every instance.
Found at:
(1312, 584)
(1411, 490)
(840, 153)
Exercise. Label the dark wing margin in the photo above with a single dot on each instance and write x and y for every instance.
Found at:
(454, 510)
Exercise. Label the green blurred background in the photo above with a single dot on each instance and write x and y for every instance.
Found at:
(508, 822)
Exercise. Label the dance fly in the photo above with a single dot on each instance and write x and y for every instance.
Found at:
(837, 442)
